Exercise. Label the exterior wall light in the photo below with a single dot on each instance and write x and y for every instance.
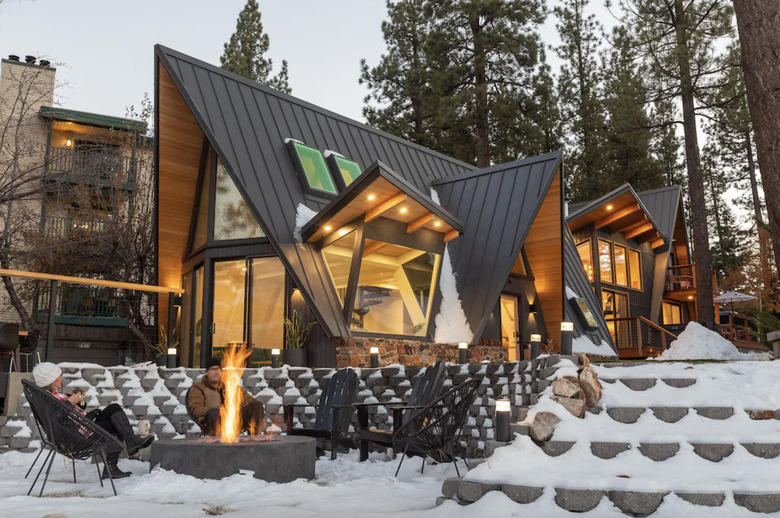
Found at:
(503, 410)
(170, 361)
(275, 358)
(536, 346)
(567, 331)
(532, 308)
(374, 357)
(463, 353)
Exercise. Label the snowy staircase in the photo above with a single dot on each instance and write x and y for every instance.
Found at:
(690, 438)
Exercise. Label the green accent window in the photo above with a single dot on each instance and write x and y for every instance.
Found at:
(349, 170)
(317, 173)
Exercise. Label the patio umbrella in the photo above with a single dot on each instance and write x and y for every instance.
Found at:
(733, 296)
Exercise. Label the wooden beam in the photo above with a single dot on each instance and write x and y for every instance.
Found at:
(641, 229)
(634, 226)
(629, 226)
(622, 213)
(418, 223)
(449, 236)
(89, 282)
(373, 247)
(658, 242)
(384, 207)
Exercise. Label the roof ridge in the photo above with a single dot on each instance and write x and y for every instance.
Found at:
(306, 104)
(553, 155)
(657, 189)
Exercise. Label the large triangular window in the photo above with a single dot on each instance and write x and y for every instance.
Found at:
(201, 232)
(232, 217)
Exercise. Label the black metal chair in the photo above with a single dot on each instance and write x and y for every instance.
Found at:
(189, 413)
(426, 389)
(435, 430)
(334, 412)
(60, 430)
(9, 341)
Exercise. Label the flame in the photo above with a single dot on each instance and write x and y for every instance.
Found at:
(233, 363)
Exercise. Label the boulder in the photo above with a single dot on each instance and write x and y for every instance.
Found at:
(760, 415)
(576, 407)
(590, 385)
(543, 426)
(565, 387)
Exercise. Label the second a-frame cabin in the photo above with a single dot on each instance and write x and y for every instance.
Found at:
(268, 207)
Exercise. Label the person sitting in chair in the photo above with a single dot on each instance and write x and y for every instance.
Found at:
(112, 418)
(207, 396)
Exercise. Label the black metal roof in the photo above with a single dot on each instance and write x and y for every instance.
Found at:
(247, 123)
(577, 281)
(356, 188)
(497, 206)
(662, 204)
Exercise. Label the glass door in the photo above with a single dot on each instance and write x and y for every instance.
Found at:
(510, 326)
(615, 307)
(185, 329)
(229, 303)
(192, 318)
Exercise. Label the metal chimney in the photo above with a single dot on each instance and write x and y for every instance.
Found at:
(13, 57)
(30, 60)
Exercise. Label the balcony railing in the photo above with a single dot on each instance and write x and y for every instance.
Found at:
(84, 305)
(71, 228)
(681, 277)
(638, 337)
(103, 167)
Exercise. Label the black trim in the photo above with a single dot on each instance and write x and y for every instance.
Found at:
(354, 274)
(198, 193)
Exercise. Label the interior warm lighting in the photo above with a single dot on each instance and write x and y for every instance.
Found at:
(371, 197)
(374, 350)
(68, 142)
(609, 207)
(243, 268)
(328, 228)
(567, 326)
(403, 210)
(437, 223)
(536, 338)
(503, 405)
(171, 351)
(690, 297)
(463, 345)
(343, 232)
(275, 352)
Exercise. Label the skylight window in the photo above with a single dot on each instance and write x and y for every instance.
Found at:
(311, 166)
(346, 170)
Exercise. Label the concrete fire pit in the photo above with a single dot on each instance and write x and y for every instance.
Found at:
(280, 459)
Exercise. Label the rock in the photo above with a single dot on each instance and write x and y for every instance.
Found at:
(565, 387)
(576, 407)
(590, 385)
(543, 426)
(760, 415)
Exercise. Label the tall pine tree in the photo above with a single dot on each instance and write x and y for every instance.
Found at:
(583, 111)
(244, 53)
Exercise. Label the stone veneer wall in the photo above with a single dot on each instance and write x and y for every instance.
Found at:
(157, 395)
(356, 352)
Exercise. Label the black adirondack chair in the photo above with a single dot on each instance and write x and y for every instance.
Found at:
(426, 389)
(435, 430)
(334, 412)
(59, 427)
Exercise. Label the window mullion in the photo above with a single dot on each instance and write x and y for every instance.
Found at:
(354, 273)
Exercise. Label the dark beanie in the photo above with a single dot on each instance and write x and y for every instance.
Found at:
(213, 362)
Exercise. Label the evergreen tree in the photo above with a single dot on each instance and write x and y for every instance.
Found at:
(666, 144)
(401, 100)
(628, 139)
(676, 39)
(545, 131)
(581, 105)
(244, 53)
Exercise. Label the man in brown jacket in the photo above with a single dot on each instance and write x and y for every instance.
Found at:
(207, 396)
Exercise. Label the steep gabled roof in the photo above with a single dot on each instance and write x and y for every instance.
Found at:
(247, 124)
(497, 206)
(662, 204)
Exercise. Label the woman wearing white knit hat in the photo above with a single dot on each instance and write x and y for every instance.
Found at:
(111, 418)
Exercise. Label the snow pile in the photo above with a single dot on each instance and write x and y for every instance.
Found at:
(697, 342)
(302, 216)
(452, 326)
(583, 344)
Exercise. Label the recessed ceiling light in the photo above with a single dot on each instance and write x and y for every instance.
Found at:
(328, 228)
(403, 210)
(436, 223)
(609, 207)
(371, 197)
(343, 232)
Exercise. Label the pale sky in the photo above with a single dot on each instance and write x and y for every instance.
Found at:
(106, 46)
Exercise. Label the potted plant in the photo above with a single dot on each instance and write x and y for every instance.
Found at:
(295, 334)
(160, 349)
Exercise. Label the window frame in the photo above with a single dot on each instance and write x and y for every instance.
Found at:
(673, 304)
(588, 242)
(611, 279)
(638, 253)
(303, 178)
(625, 249)
(332, 161)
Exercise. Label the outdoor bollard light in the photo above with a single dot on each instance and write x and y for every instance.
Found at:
(503, 409)
(171, 360)
(463, 353)
(275, 358)
(374, 357)
(536, 346)
(567, 329)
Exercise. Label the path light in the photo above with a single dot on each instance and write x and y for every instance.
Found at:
(374, 357)
(536, 346)
(463, 353)
(567, 330)
(275, 358)
(503, 409)
(171, 360)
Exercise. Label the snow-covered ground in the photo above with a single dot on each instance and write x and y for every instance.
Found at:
(696, 342)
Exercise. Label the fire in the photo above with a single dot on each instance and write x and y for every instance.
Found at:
(233, 363)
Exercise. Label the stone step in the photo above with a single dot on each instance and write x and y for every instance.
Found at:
(641, 384)
(669, 414)
(660, 451)
(632, 503)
